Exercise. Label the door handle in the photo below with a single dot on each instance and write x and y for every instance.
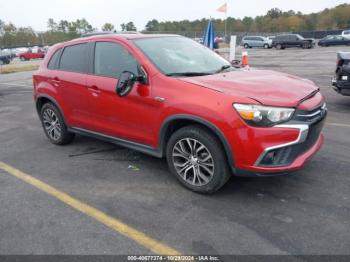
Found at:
(56, 81)
(94, 89)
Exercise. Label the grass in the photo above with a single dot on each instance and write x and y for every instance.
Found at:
(8, 69)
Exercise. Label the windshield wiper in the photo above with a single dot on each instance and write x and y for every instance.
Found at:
(223, 68)
(189, 74)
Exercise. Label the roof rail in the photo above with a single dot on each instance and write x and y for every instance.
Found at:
(109, 33)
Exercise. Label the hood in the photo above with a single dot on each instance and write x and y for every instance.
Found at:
(265, 86)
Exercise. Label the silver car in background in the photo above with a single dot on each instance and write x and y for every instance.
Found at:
(256, 41)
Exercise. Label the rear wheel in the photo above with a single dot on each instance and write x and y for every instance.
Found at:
(22, 58)
(54, 125)
(279, 46)
(196, 158)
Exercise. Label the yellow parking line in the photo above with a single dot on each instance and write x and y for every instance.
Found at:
(148, 242)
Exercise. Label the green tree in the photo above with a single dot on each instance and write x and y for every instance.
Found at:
(108, 27)
(52, 25)
(247, 23)
(274, 13)
(128, 27)
(152, 25)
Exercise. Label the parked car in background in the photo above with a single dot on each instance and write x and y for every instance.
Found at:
(341, 80)
(332, 40)
(32, 54)
(172, 97)
(292, 40)
(5, 57)
(346, 34)
(256, 41)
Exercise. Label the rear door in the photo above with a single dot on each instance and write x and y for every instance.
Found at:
(70, 78)
(129, 117)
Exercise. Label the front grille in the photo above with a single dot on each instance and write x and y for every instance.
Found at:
(311, 116)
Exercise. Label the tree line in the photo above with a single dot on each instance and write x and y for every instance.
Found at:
(275, 20)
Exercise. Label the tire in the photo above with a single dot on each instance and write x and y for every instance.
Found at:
(22, 58)
(54, 126)
(246, 46)
(206, 176)
(279, 46)
(305, 45)
(266, 46)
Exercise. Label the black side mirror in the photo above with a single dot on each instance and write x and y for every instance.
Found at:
(125, 83)
(236, 63)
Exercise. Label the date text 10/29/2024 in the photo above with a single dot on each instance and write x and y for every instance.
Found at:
(173, 258)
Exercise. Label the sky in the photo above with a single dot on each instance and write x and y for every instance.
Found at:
(35, 13)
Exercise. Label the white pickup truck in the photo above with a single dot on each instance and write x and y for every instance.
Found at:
(346, 34)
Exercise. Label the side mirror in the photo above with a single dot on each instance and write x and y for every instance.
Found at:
(236, 63)
(125, 83)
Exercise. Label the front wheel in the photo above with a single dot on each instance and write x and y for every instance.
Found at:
(306, 45)
(197, 159)
(266, 46)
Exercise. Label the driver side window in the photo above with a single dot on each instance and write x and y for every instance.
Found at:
(111, 59)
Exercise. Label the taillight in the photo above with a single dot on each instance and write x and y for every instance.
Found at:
(340, 62)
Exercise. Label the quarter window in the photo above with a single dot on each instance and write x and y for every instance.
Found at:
(54, 60)
(74, 58)
(111, 59)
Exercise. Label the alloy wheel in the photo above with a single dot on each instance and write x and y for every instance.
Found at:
(193, 162)
(52, 124)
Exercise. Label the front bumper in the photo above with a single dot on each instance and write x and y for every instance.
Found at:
(281, 158)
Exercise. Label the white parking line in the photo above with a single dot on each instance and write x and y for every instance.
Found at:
(338, 124)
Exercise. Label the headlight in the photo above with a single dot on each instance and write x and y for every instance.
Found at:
(258, 115)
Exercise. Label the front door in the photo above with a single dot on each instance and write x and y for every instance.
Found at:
(128, 117)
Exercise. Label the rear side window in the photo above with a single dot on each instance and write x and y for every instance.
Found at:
(73, 58)
(111, 59)
(53, 64)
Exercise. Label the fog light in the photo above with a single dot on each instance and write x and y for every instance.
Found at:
(344, 78)
(276, 157)
(269, 157)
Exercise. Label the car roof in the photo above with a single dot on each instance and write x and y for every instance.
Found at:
(120, 36)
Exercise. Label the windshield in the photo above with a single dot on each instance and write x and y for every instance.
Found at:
(175, 55)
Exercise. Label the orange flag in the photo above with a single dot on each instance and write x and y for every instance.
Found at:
(222, 8)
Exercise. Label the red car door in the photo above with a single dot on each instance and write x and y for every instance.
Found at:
(128, 117)
(70, 80)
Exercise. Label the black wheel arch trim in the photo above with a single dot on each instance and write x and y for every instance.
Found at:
(199, 120)
(52, 100)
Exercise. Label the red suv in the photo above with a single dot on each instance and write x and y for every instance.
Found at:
(168, 96)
